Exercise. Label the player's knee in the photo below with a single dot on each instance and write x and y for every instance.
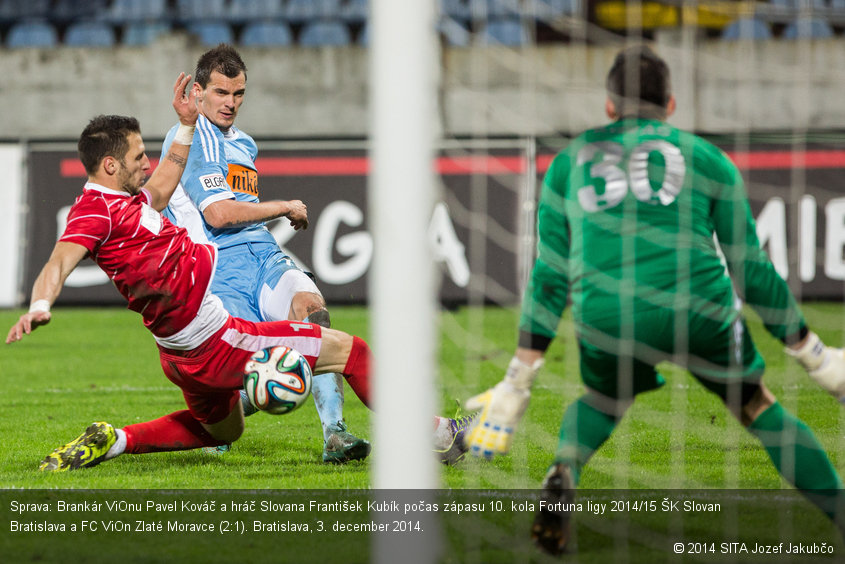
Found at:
(756, 399)
(320, 317)
(230, 433)
(615, 407)
(305, 304)
(230, 429)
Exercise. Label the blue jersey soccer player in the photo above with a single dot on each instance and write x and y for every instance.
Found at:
(218, 202)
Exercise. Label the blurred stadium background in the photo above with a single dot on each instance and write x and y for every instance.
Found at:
(516, 79)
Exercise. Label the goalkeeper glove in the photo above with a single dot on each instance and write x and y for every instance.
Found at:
(502, 408)
(824, 364)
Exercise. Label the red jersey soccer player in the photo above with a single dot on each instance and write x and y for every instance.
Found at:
(165, 277)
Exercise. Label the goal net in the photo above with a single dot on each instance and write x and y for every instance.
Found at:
(517, 81)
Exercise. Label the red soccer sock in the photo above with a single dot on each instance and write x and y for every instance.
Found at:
(357, 370)
(177, 431)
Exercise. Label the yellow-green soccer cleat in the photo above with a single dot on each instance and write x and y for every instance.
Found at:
(87, 450)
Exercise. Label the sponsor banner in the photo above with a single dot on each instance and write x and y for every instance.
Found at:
(11, 163)
(473, 226)
(798, 201)
(479, 230)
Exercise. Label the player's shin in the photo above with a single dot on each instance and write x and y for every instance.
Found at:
(800, 458)
(177, 431)
(327, 390)
(247, 406)
(583, 430)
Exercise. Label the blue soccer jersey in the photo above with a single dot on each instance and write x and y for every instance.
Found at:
(221, 166)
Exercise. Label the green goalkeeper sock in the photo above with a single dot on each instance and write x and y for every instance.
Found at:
(582, 432)
(799, 457)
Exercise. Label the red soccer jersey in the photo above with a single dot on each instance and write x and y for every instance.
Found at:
(155, 265)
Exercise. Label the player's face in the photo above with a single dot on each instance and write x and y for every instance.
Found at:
(134, 167)
(221, 99)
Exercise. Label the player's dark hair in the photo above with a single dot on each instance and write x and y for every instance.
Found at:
(223, 59)
(105, 136)
(638, 83)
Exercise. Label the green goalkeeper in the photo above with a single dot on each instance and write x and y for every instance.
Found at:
(627, 219)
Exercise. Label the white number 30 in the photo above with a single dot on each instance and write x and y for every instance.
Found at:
(617, 180)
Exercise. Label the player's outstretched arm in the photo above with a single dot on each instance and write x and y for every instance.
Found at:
(233, 213)
(47, 287)
(166, 177)
(503, 406)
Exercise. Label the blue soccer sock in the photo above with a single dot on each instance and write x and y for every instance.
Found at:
(327, 390)
(249, 409)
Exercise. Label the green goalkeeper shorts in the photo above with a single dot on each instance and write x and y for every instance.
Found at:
(719, 353)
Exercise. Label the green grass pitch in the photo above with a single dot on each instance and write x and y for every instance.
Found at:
(101, 364)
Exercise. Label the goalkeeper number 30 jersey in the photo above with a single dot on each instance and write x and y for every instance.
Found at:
(626, 222)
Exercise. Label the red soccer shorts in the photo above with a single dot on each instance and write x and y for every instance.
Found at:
(211, 375)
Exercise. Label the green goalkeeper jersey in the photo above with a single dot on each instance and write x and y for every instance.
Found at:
(626, 220)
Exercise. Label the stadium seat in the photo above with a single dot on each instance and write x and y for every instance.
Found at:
(453, 33)
(212, 33)
(15, 10)
(746, 28)
(798, 5)
(144, 33)
(549, 10)
(456, 9)
(72, 10)
(266, 34)
(32, 33)
(509, 32)
(89, 34)
(808, 28)
(305, 11)
(123, 11)
(322, 33)
(363, 38)
(355, 11)
(246, 10)
(189, 11)
(491, 9)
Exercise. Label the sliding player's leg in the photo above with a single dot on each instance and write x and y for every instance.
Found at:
(181, 430)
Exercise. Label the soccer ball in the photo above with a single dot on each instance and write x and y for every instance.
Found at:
(277, 380)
